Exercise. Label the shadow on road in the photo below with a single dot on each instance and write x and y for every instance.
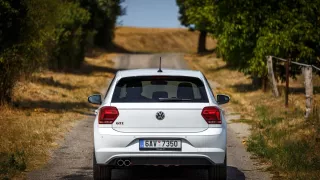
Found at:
(155, 173)
(235, 174)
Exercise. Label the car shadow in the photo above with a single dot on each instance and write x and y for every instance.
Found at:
(235, 174)
(155, 173)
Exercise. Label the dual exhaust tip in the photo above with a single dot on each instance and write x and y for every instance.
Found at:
(121, 162)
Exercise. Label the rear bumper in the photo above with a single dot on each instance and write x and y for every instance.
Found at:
(162, 159)
(156, 160)
(204, 148)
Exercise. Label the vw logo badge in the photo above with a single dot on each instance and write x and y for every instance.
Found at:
(160, 115)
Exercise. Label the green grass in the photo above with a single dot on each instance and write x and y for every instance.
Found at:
(275, 143)
(10, 163)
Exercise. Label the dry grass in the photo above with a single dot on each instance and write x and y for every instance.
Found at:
(281, 136)
(134, 39)
(45, 107)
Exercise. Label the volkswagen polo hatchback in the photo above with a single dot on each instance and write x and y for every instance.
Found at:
(150, 117)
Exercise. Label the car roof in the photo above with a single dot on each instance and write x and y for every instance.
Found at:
(154, 72)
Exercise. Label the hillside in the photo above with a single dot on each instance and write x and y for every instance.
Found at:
(133, 39)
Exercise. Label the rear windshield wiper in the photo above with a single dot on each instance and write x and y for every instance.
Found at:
(173, 99)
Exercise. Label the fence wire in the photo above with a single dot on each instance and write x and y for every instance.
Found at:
(293, 62)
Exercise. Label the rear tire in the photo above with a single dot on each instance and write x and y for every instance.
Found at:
(218, 172)
(100, 172)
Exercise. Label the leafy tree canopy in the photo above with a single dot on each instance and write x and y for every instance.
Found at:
(247, 31)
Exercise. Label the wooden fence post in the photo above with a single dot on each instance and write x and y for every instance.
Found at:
(287, 83)
(307, 72)
(272, 80)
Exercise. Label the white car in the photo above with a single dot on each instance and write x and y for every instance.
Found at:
(159, 117)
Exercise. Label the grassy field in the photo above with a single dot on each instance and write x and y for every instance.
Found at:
(280, 136)
(152, 40)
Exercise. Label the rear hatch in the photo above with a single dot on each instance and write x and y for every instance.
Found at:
(142, 117)
(160, 104)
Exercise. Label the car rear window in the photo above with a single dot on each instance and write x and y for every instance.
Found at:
(159, 89)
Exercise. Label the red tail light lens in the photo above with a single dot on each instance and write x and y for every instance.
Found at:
(211, 115)
(108, 115)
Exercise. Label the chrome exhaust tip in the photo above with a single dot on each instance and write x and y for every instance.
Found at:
(127, 162)
(120, 162)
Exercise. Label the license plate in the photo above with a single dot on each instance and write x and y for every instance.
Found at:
(161, 145)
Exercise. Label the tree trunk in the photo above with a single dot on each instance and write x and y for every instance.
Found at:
(256, 82)
(307, 72)
(104, 36)
(272, 80)
(202, 42)
(265, 83)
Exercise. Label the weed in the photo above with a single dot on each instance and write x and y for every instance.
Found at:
(262, 111)
(257, 143)
(11, 163)
(272, 121)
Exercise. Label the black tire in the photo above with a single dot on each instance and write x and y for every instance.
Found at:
(101, 172)
(218, 172)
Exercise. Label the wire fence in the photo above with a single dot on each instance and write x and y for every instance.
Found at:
(293, 62)
(308, 82)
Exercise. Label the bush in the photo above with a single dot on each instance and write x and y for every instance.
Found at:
(37, 33)
(11, 163)
(25, 27)
(70, 37)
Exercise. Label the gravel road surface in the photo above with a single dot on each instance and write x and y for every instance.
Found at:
(73, 160)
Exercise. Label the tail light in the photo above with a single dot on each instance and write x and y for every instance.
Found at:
(108, 115)
(211, 114)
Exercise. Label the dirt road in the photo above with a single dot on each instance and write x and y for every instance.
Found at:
(73, 160)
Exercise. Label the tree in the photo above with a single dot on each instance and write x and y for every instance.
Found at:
(103, 19)
(70, 37)
(188, 10)
(25, 26)
(250, 30)
(247, 31)
(37, 33)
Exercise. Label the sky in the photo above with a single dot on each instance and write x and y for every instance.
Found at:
(151, 13)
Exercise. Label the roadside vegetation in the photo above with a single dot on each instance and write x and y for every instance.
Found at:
(44, 108)
(280, 136)
(50, 34)
(44, 75)
(247, 32)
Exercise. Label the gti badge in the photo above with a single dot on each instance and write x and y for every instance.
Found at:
(160, 115)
